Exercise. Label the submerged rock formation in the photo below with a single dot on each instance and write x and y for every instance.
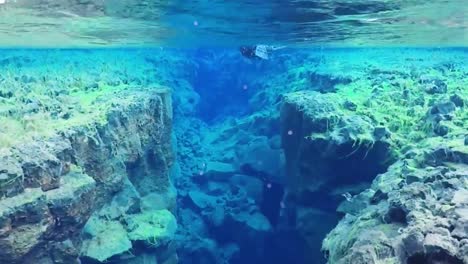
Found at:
(414, 213)
(348, 122)
(330, 151)
(402, 174)
(99, 192)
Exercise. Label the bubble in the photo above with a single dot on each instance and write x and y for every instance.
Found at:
(245, 87)
(269, 185)
(201, 173)
(290, 132)
(195, 23)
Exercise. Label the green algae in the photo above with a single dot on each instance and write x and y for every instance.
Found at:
(110, 238)
(394, 98)
(43, 92)
(77, 108)
(152, 227)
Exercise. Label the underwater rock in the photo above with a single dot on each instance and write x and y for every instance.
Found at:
(441, 130)
(326, 148)
(433, 85)
(437, 242)
(350, 105)
(408, 213)
(202, 201)
(252, 186)
(65, 253)
(54, 184)
(443, 108)
(381, 132)
(424, 216)
(457, 100)
(249, 231)
(355, 204)
(34, 218)
(153, 228)
(218, 171)
(159, 201)
(259, 154)
(143, 258)
(231, 208)
(186, 100)
(92, 86)
(201, 251)
(326, 83)
(108, 239)
(41, 164)
(324, 139)
(441, 111)
(126, 201)
(11, 175)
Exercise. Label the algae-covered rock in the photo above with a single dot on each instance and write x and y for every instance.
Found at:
(422, 215)
(11, 174)
(218, 170)
(65, 252)
(154, 228)
(319, 136)
(117, 239)
(202, 201)
(410, 144)
(71, 204)
(126, 201)
(101, 165)
(434, 85)
(34, 218)
(24, 220)
(108, 239)
(159, 201)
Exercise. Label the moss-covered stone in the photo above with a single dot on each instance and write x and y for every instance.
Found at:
(108, 239)
(153, 228)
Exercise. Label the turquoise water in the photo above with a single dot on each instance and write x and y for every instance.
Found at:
(157, 132)
(231, 23)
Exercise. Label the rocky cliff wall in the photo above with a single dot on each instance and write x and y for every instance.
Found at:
(392, 162)
(93, 192)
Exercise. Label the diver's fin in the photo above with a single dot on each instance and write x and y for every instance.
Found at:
(277, 47)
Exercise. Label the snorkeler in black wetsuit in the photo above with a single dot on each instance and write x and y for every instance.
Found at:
(248, 51)
(258, 51)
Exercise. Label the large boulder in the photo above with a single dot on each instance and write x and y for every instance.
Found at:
(153, 228)
(34, 219)
(106, 239)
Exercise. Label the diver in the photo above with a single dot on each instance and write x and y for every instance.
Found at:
(258, 51)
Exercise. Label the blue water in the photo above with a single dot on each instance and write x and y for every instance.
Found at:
(247, 179)
(222, 103)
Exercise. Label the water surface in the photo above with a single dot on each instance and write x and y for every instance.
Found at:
(225, 23)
